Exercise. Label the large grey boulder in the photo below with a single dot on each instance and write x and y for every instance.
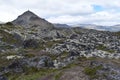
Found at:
(45, 61)
(31, 43)
(16, 67)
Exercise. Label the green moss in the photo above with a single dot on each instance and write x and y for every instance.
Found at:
(34, 30)
(57, 76)
(4, 62)
(69, 66)
(91, 71)
(29, 55)
(33, 74)
(64, 54)
(77, 31)
(101, 47)
(52, 56)
(49, 44)
(110, 51)
(6, 37)
(104, 48)
(6, 28)
(6, 47)
(3, 58)
(117, 33)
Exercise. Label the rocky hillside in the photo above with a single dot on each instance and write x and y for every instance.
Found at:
(31, 48)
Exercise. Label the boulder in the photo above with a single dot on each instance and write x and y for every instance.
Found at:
(45, 61)
(31, 43)
(16, 66)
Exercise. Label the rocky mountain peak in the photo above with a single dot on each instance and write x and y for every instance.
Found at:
(29, 19)
(28, 13)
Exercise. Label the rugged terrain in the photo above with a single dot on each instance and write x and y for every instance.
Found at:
(32, 48)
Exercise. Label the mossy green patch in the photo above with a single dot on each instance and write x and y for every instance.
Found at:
(58, 75)
(91, 71)
(49, 44)
(7, 37)
(33, 74)
(104, 48)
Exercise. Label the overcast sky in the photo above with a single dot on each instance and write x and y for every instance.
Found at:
(102, 12)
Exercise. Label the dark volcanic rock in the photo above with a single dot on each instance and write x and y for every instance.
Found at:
(16, 67)
(31, 43)
(40, 62)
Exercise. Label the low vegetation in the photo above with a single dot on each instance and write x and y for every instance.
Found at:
(91, 71)
(32, 74)
(7, 37)
(57, 76)
(104, 48)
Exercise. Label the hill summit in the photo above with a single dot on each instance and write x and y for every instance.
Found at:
(29, 19)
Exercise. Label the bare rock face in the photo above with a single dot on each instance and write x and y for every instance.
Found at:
(29, 19)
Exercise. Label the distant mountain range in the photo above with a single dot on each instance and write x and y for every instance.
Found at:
(99, 27)
(91, 26)
(62, 26)
(29, 19)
